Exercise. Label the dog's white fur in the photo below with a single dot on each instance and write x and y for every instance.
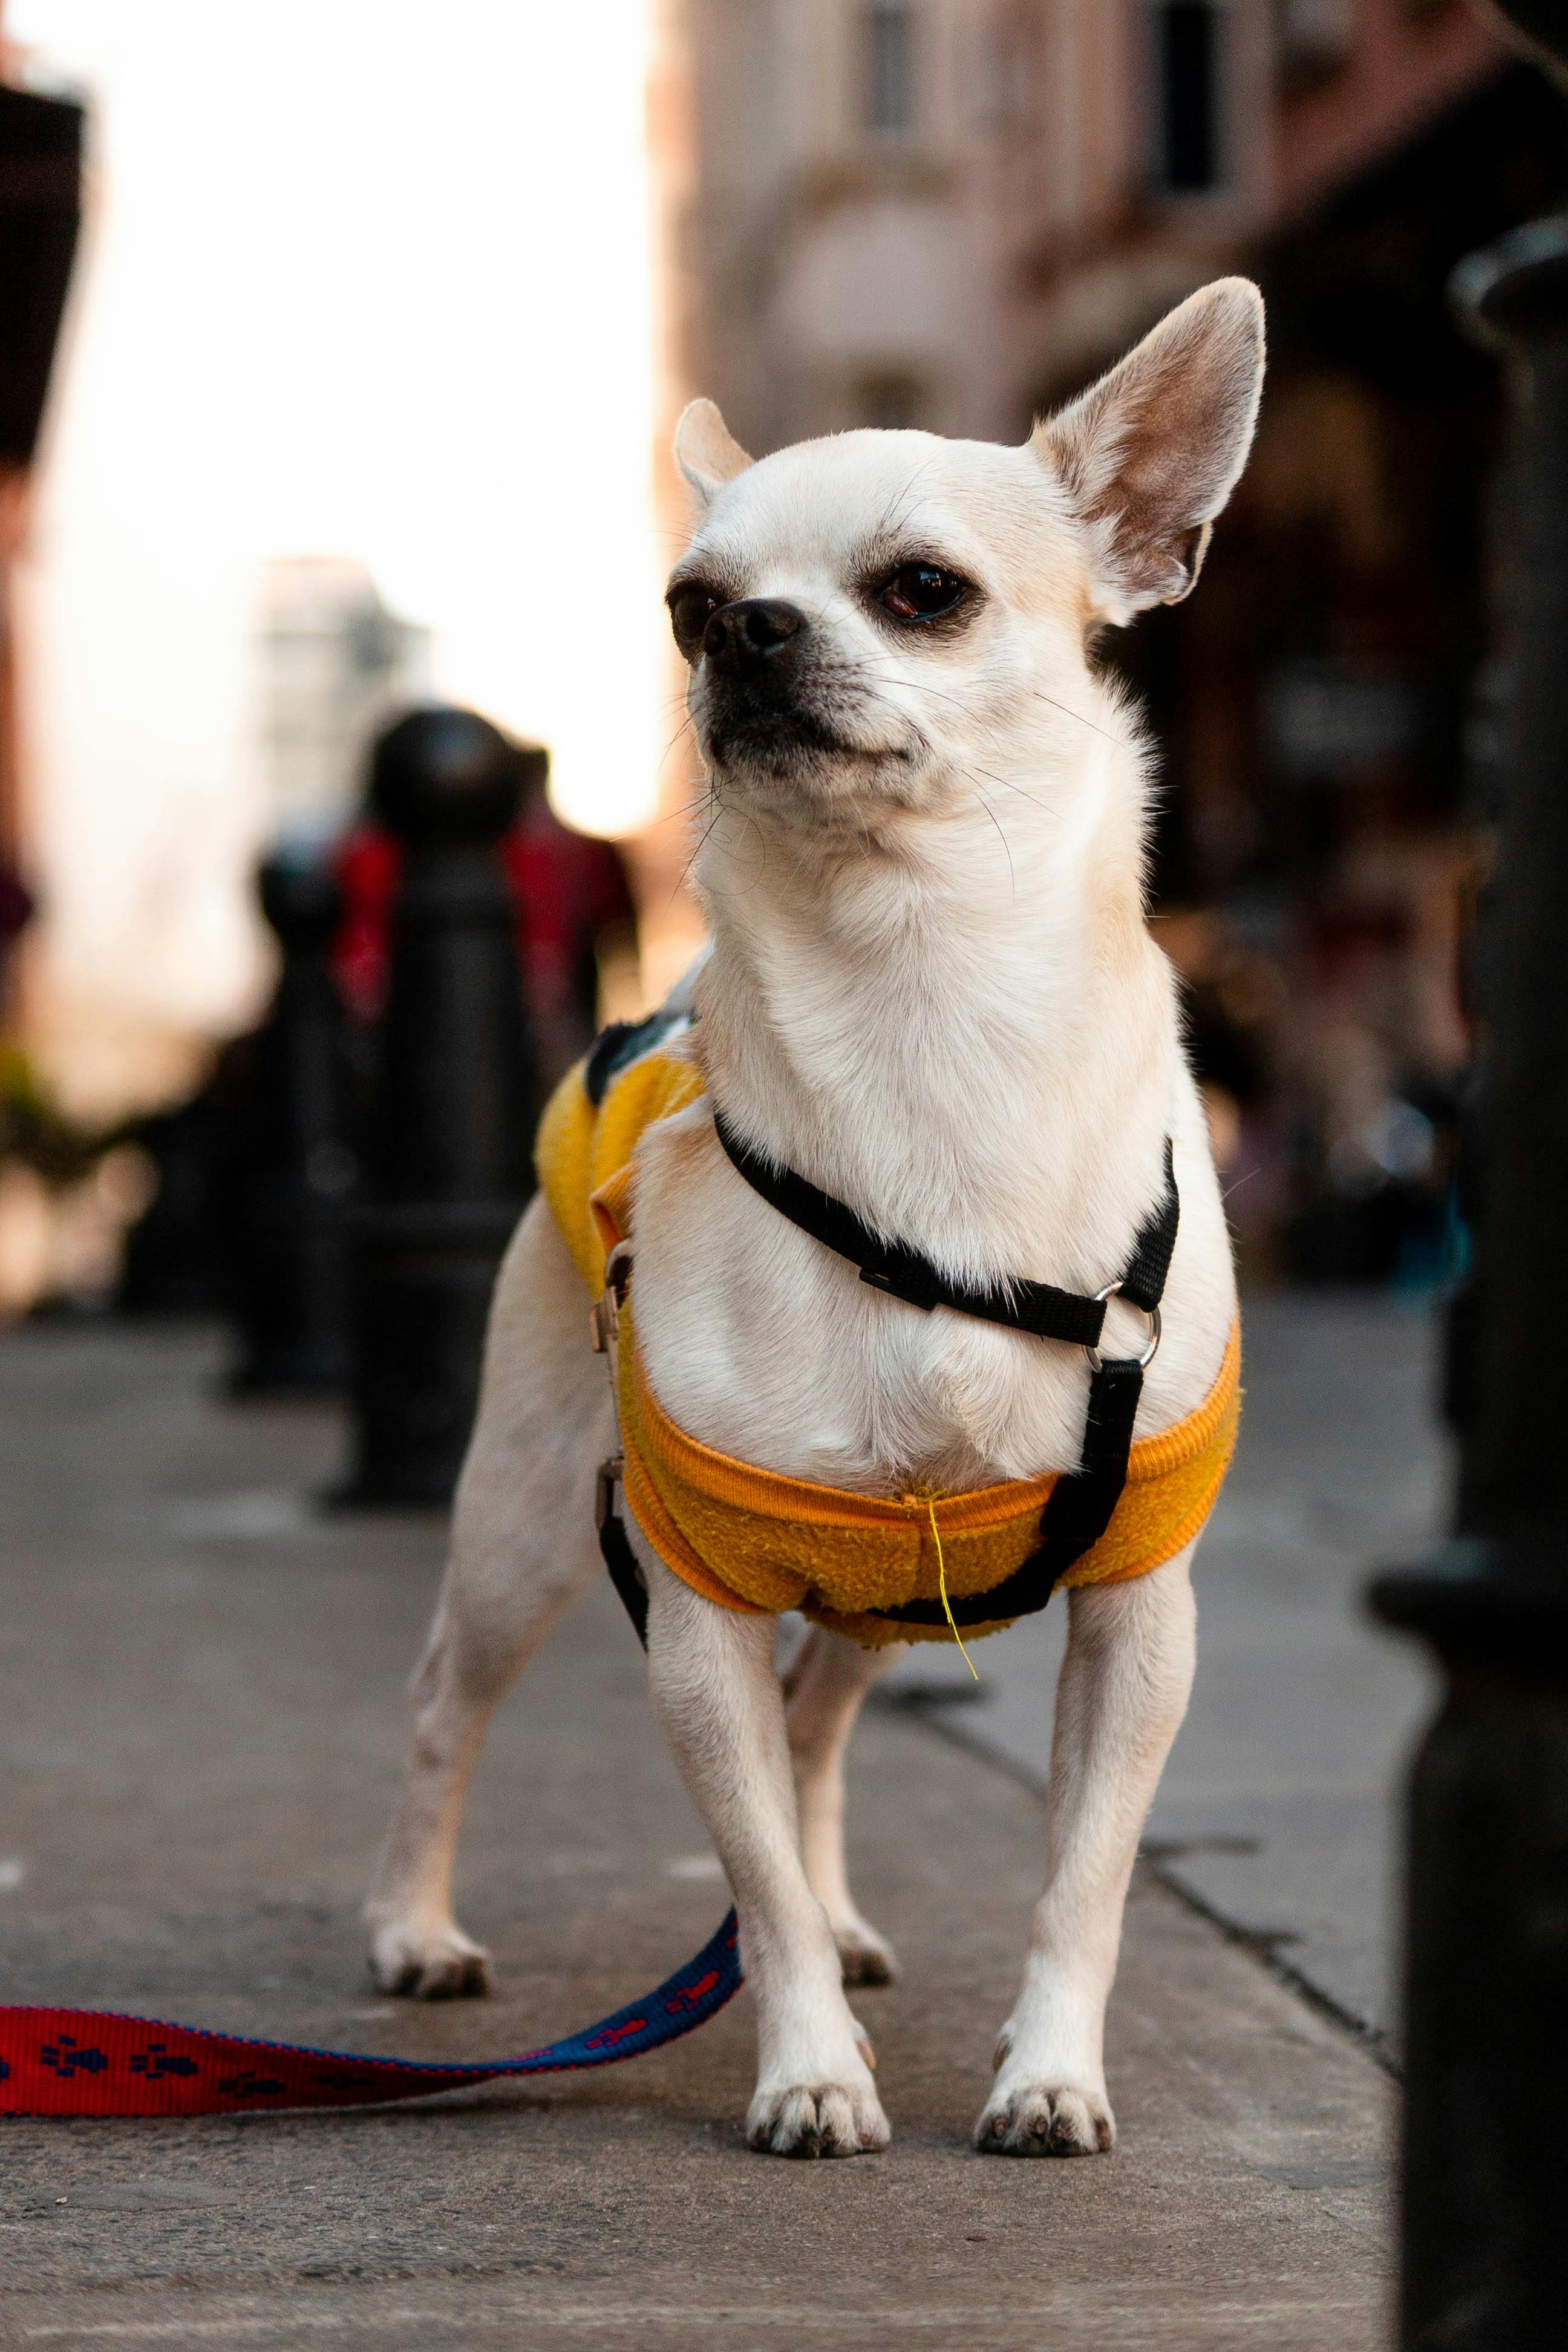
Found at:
(931, 990)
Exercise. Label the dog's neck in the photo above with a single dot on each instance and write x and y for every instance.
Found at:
(959, 1026)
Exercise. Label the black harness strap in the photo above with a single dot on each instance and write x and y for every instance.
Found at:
(616, 1547)
(1079, 1506)
(1037, 1307)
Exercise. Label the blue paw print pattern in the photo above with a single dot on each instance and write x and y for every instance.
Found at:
(158, 2060)
(84, 2062)
(66, 2057)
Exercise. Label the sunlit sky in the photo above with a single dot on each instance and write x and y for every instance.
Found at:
(361, 278)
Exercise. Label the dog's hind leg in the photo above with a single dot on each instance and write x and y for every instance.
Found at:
(1119, 1702)
(710, 1671)
(822, 1691)
(523, 1550)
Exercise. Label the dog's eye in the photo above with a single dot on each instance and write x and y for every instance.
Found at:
(691, 606)
(922, 592)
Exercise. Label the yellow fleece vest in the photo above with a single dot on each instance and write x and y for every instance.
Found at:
(755, 1540)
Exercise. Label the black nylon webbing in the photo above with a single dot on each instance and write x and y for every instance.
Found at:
(1037, 1307)
(1144, 1280)
(616, 1549)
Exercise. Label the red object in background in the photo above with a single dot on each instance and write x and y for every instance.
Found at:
(566, 889)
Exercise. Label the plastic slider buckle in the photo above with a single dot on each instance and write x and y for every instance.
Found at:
(604, 1313)
(901, 1284)
(604, 1487)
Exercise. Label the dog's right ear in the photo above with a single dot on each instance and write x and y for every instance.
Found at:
(706, 451)
(1149, 453)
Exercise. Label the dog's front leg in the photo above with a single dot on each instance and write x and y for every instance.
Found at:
(1119, 1702)
(712, 1674)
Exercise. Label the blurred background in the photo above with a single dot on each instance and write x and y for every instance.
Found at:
(357, 392)
(340, 353)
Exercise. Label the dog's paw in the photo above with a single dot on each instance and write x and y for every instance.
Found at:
(818, 2119)
(1046, 2120)
(437, 1963)
(866, 1957)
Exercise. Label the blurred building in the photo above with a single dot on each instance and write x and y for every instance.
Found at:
(943, 213)
(333, 665)
(952, 213)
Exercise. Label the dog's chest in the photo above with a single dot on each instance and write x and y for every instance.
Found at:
(766, 1346)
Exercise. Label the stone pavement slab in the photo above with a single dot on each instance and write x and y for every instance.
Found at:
(202, 1712)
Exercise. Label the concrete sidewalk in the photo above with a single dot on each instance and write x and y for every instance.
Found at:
(203, 1716)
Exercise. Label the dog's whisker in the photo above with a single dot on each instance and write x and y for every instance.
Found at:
(1012, 875)
(890, 519)
(687, 808)
(1068, 711)
(684, 728)
(685, 869)
(713, 889)
(919, 686)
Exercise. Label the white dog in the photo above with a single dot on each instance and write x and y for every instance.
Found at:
(930, 992)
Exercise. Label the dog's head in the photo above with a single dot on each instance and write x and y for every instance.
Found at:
(868, 617)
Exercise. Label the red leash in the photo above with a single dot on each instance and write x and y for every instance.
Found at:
(88, 2062)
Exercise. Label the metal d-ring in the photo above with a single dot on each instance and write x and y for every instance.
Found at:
(1150, 1316)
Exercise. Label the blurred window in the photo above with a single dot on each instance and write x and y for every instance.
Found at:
(1188, 61)
(889, 45)
(1006, 73)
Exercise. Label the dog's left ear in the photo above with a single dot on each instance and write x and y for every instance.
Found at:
(1149, 453)
(706, 451)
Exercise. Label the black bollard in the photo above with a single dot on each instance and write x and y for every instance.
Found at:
(1485, 2266)
(450, 1157)
(288, 1169)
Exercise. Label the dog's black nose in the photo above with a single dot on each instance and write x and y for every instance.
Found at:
(742, 637)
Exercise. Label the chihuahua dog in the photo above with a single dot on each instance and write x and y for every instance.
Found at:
(931, 990)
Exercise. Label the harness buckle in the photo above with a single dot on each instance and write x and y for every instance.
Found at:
(604, 1487)
(604, 1316)
(1150, 1316)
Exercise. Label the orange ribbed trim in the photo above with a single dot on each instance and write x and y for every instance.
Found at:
(755, 1540)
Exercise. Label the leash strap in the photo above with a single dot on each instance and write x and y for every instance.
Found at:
(86, 2062)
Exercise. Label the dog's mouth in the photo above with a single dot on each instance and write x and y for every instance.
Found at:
(782, 735)
(789, 740)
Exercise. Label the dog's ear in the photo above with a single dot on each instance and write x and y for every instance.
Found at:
(1149, 453)
(706, 451)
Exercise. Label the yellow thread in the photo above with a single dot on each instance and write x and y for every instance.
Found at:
(942, 1585)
